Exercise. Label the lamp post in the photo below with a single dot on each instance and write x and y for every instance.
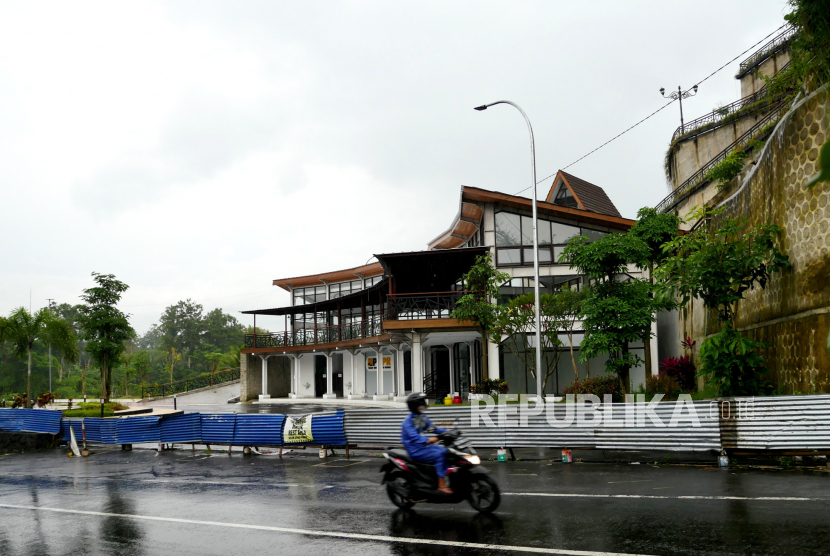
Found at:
(679, 95)
(539, 392)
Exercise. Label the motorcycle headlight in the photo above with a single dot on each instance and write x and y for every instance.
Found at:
(474, 460)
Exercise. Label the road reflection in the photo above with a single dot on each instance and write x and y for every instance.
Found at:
(120, 535)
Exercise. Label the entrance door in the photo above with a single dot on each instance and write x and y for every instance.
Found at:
(337, 367)
(319, 375)
(441, 372)
(407, 371)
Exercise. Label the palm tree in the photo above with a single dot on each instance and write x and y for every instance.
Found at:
(23, 329)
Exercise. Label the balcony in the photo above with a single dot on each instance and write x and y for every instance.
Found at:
(315, 336)
(438, 305)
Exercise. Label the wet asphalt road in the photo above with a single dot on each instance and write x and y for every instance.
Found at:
(181, 503)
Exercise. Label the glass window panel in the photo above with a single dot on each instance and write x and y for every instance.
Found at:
(562, 233)
(527, 230)
(509, 256)
(557, 253)
(356, 285)
(528, 255)
(544, 232)
(593, 235)
(544, 255)
(508, 229)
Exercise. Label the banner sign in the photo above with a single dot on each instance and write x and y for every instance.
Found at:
(387, 362)
(372, 363)
(297, 429)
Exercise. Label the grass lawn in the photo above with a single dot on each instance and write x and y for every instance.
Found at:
(94, 410)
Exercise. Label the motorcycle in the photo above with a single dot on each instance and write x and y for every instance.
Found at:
(409, 482)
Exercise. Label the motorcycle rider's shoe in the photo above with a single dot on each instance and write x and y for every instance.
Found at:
(443, 488)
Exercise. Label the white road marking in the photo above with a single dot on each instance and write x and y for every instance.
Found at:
(311, 532)
(654, 496)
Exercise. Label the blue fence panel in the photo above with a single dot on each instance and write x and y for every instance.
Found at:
(42, 420)
(326, 430)
(101, 430)
(218, 428)
(186, 427)
(76, 426)
(253, 429)
(136, 430)
(11, 420)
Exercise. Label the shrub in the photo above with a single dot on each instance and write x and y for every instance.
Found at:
(597, 386)
(45, 399)
(664, 384)
(681, 369)
(490, 387)
(725, 171)
(733, 363)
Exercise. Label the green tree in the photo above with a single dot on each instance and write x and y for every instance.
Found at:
(515, 326)
(718, 262)
(104, 326)
(655, 230)
(141, 366)
(482, 284)
(222, 330)
(569, 304)
(182, 327)
(24, 329)
(619, 309)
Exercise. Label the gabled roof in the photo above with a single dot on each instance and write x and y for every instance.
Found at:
(546, 208)
(589, 196)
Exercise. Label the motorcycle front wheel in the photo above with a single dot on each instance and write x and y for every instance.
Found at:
(484, 494)
(397, 488)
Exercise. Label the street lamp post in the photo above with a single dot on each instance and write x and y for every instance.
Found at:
(539, 392)
(679, 95)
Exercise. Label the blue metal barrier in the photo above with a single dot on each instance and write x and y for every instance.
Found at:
(11, 420)
(76, 426)
(184, 428)
(218, 428)
(136, 430)
(42, 420)
(326, 430)
(254, 429)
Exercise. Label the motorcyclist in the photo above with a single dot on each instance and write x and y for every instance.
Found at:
(420, 447)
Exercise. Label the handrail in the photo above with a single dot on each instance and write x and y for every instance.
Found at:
(187, 384)
(718, 115)
(699, 178)
(423, 306)
(758, 57)
(342, 332)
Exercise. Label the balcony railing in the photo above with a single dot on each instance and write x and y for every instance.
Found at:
(776, 44)
(313, 336)
(438, 305)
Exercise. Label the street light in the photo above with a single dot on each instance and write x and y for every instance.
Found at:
(679, 95)
(535, 247)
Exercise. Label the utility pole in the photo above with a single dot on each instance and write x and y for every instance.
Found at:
(51, 303)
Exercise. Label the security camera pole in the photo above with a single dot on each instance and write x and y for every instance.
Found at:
(535, 247)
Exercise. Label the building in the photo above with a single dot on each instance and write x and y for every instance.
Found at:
(384, 329)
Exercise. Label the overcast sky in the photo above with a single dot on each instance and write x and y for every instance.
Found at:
(203, 149)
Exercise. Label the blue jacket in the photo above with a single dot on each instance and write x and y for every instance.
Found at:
(412, 434)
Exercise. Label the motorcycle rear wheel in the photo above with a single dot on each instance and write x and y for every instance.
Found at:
(484, 494)
(394, 487)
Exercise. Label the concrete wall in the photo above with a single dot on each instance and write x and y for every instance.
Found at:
(751, 83)
(250, 374)
(692, 154)
(793, 312)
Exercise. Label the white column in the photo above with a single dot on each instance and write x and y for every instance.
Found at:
(352, 394)
(416, 362)
(379, 378)
(493, 359)
(264, 395)
(329, 378)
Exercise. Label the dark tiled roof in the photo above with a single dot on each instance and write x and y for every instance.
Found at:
(591, 196)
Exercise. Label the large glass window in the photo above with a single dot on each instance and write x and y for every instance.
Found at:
(508, 229)
(514, 239)
(306, 296)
